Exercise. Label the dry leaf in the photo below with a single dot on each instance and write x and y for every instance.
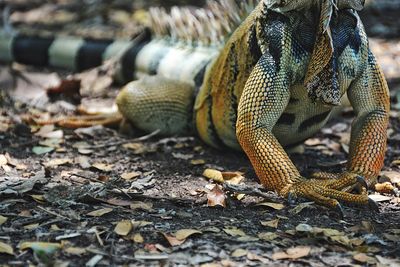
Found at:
(267, 236)
(130, 175)
(3, 160)
(172, 240)
(100, 212)
(214, 175)
(31, 226)
(300, 207)
(137, 238)
(123, 228)
(6, 249)
(185, 233)
(137, 148)
(138, 205)
(292, 253)
(103, 167)
(234, 231)
(57, 162)
(276, 206)
(233, 177)
(237, 253)
(272, 224)
(3, 219)
(119, 202)
(364, 258)
(216, 197)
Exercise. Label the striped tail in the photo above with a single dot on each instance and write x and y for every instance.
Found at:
(72, 53)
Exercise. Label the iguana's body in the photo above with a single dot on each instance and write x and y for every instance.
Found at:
(273, 84)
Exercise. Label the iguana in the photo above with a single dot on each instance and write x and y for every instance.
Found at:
(271, 84)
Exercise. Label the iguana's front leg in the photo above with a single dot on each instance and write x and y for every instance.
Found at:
(265, 97)
(369, 96)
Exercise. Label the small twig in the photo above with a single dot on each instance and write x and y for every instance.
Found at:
(243, 189)
(53, 213)
(141, 139)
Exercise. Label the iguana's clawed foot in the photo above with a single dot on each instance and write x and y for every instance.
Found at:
(331, 192)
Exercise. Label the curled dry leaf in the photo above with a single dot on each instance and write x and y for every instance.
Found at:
(57, 162)
(221, 177)
(214, 175)
(292, 253)
(172, 240)
(130, 175)
(234, 231)
(272, 224)
(267, 236)
(123, 228)
(139, 205)
(216, 197)
(276, 206)
(103, 167)
(6, 249)
(185, 233)
(100, 212)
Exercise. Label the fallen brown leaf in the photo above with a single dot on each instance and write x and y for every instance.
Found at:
(100, 212)
(292, 253)
(216, 197)
(185, 233)
(123, 228)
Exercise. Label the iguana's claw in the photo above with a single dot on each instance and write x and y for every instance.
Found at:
(331, 191)
(373, 205)
(361, 180)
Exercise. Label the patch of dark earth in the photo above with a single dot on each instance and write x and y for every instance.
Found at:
(169, 183)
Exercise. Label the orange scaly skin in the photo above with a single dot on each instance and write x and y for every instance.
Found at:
(256, 96)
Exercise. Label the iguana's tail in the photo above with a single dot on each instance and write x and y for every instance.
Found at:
(181, 31)
(72, 53)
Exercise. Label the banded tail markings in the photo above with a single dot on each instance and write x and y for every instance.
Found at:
(63, 52)
(31, 50)
(90, 54)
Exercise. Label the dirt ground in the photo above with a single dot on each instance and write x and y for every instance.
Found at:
(97, 197)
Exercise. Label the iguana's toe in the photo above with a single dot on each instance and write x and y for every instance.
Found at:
(361, 181)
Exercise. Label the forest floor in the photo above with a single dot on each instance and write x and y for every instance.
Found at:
(96, 197)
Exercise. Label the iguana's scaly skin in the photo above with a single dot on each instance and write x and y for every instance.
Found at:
(253, 97)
